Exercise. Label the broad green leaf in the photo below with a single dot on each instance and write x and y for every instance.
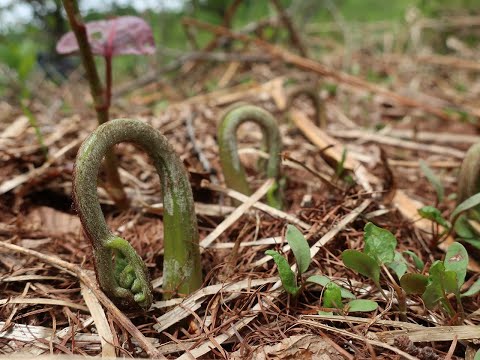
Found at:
(416, 260)
(433, 214)
(300, 248)
(414, 283)
(474, 289)
(463, 229)
(446, 280)
(323, 281)
(362, 263)
(286, 274)
(456, 260)
(474, 242)
(467, 204)
(332, 296)
(433, 294)
(433, 179)
(450, 282)
(379, 243)
(361, 305)
(399, 265)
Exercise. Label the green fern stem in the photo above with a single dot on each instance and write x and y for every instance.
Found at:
(312, 93)
(126, 280)
(469, 176)
(233, 170)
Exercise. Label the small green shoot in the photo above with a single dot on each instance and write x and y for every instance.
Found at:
(434, 180)
(287, 276)
(323, 280)
(433, 214)
(301, 251)
(416, 260)
(445, 277)
(363, 264)
(300, 248)
(332, 299)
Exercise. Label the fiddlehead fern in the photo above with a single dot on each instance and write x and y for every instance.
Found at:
(469, 176)
(311, 92)
(233, 170)
(125, 279)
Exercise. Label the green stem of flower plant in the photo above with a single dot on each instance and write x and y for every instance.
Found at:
(100, 98)
(126, 281)
(233, 170)
(312, 93)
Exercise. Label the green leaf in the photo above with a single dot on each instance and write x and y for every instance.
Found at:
(332, 297)
(399, 265)
(362, 263)
(446, 279)
(320, 312)
(474, 289)
(456, 260)
(416, 260)
(323, 281)
(477, 355)
(380, 243)
(414, 283)
(300, 248)
(361, 305)
(467, 204)
(433, 179)
(463, 229)
(433, 214)
(286, 274)
(432, 295)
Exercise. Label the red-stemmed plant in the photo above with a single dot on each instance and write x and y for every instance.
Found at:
(125, 35)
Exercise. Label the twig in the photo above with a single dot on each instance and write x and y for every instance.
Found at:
(294, 37)
(197, 149)
(260, 206)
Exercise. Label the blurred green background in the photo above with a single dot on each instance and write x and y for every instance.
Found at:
(29, 29)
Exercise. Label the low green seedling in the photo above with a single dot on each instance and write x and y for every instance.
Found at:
(379, 255)
(293, 283)
(465, 218)
(379, 252)
(301, 251)
(445, 277)
(332, 299)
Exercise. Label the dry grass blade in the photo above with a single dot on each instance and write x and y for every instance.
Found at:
(43, 301)
(438, 333)
(260, 206)
(101, 322)
(81, 274)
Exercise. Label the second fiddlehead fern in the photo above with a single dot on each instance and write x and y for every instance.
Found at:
(233, 170)
(125, 279)
(312, 93)
(469, 176)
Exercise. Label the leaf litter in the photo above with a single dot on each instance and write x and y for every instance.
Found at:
(48, 306)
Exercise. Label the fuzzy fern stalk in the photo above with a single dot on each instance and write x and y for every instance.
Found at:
(233, 170)
(125, 279)
(310, 92)
(468, 178)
